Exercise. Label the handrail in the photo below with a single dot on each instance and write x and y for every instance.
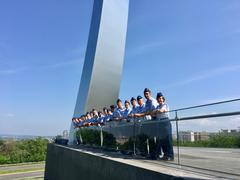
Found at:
(139, 125)
(204, 105)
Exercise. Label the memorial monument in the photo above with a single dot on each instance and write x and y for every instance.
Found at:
(102, 70)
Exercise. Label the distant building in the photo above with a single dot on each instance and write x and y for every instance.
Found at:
(224, 130)
(186, 136)
(233, 131)
(230, 131)
(201, 136)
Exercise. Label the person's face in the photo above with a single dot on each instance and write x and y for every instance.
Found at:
(160, 100)
(95, 112)
(147, 95)
(104, 111)
(134, 103)
(127, 105)
(140, 102)
(91, 114)
(119, 104)
(109, 112)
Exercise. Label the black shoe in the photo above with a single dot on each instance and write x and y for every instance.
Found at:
(164, 158)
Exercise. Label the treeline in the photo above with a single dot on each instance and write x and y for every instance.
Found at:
(92, 137)
(23, 151)
(220, 140)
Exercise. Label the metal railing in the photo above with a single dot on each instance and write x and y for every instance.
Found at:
(126, 130)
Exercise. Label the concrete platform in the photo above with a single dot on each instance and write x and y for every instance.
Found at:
(69, 163)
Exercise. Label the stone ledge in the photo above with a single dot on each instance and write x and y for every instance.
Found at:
(67, 163)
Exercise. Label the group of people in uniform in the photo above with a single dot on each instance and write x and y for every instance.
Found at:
(151, 109)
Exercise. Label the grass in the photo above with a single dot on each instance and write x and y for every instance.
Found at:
(20, 164)
(31, 178)
(20, 170)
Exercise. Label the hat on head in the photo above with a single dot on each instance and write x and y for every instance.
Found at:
(127, 101)
(119, 100)
(159, 94)
(139, 97)
(112, 106)
(147, 90)
(133, 99)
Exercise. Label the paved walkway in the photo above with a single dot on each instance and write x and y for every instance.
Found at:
(33, 170)
(216, 163)
(218, 159)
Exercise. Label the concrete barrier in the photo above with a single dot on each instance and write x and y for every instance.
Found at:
(65, 163)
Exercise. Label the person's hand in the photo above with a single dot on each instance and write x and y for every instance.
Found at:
(130, 115)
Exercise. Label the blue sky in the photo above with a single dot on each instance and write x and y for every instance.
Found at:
(189, 50)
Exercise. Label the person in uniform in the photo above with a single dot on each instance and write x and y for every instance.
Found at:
(134, 108)
(150, 105)
(119, 111)
(165, 128)
(134, 105)
(127, 110)
(140, 111)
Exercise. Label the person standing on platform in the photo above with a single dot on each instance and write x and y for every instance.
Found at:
(150, 105)
(119, 111)
(134, 108)
(127, 110)
(165, 128)
(134, 105)
(140, 111)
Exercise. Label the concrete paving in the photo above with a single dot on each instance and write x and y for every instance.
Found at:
(217, 159)
(22, 167)
(35, 170)
(16, 176)
(216, 163)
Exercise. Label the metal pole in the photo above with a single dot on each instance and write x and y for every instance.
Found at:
(134, 136)
(148, 149)
(176, 118)
(101, 136)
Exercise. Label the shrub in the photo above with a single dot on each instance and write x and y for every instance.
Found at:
(92, 137)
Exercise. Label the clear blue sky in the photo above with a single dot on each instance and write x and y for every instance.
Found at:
(189, 50)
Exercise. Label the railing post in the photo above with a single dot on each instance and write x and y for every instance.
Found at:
(176, 119)
(101, 136)
(81, 140)
(148, 149)
(134, 136)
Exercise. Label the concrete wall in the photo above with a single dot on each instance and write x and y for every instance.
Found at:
(68, 164)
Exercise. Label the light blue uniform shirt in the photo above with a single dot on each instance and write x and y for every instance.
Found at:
(141, 109)
(134, 110)
(163, 115)
(101, 119)
(118, 113)
(127, 112)
(151, 104)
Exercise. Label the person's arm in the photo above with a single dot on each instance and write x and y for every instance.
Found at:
(154, 112)
(163, 109)
(137, 115)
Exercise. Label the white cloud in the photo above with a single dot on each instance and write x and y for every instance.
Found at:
(10, 115)
(227, 98)
(145, 47)
(63, 64)
(206, 75)
(48, 66)
(12, 71)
